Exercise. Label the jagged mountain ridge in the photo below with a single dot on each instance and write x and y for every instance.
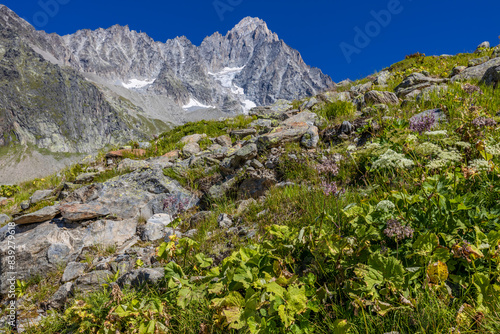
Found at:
(267, 69)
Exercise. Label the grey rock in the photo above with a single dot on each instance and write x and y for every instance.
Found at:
(141, 276)
(302, 117)
(483, 45)
(42, 215)
(75, 212)
(239, 158)
(256, 184)
(283, 134)
(221, 190)
(4, 218)
(476, 72)
(242, 133)
(377, 97)
(199, 217)
(25, 205)
(141, 193)
(457, 69)
(310, 139)
(192, 138)
(223, 140)
(360, 89)
(416, 81)
(155, 227)
(382, 77)
(92, 281)
(59, 299)
(285, 184)
(346, 128)
(169, 231)
(310, 103)
(144, 144)
(85, 178)
(256, 164)
(73, 270)
(191, 149)
(224, 221)
(495, 53)
(39, 196)
(131, 165)
(492, 76)
(478, 61)
(244, 205)
(190, 234)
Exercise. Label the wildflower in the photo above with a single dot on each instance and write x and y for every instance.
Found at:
(422, 123)
(493, 149)
(175, 205)
(391, 159)
(463, 144)
(428, 149)
(331, 188)
(481, 122)
(385, 206)
(373, 146)
(470, 89)
(438, 133)
(395, 229)
(480, 165)
(411, 139)
(328, 167)
(351, 147)
(444, 159)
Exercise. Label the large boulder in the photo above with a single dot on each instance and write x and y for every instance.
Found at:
(44, 247)
(292, 132)
(416, 81)
(492, 76)
(380, 97)
(476, 72)
(139, 277)
(73, 270)
(141, 192)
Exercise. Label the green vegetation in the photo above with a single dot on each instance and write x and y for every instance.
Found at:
(401, 234)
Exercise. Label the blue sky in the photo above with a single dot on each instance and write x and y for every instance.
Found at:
(328, 34)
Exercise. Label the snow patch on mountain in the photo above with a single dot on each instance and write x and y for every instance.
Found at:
(137, 84)
(194, 104)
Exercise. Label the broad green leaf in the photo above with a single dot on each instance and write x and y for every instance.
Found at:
(285, 318)
(426, 243)
(437, 272)
(340, 326)
(203, 260)
(296, 299)
(172, 269)
(274, 288)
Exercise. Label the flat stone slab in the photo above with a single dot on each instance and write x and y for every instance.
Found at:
(78, 212)
(40, 216)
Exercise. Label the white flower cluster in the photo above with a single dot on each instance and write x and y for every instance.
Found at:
(437, 133)
(385, 205)
(428, 148)
(351, 147)
(411, 138)
(444, 158)
(480, 165)
(373, 146)
(463, 144)
(493, 149)
(391, 159)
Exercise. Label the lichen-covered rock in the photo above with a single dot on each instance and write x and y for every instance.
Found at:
(476, 72)
(416, 81)
(289, 133)
(59, 299)
(378, 97)
(77, 212)
(191, 149)
(310, 139)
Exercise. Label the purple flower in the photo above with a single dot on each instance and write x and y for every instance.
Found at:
(328, 167)
(395, 229)
(470, 89)
(175, 205)
(481, 122)
(331, 189)
(422, 123)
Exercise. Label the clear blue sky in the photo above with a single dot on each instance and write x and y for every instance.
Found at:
(317, 28)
